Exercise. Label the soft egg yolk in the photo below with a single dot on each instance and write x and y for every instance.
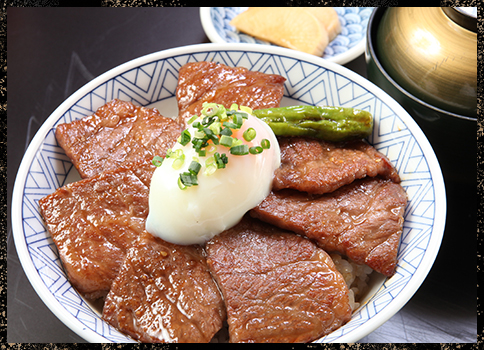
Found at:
(220, 200)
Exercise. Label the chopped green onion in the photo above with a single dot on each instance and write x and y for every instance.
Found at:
(211, 149)
(239, 150)
(223, 116)
(207, 121)
(224, 158)
(209, 133)
(210, 166)
(210, 169)
(216, 124)
(185, 137)
(210, 161)
(192, 119)
(199, 134)
(210, 109)
(194, 167)
(265, 143)
(211, 136)
(249, 134)
(230, 125)
(226, 141)
(187, 179)
(220, 159)
(238, 120)
(179, 153)
(237, 142)
(215, 127)
(226, 132)
(157, 161)
(181, 185)
(169, 153)
(198, 143)
(256, 150)
(178, 162)
(246, 109)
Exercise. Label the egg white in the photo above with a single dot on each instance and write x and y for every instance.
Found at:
(198, 213)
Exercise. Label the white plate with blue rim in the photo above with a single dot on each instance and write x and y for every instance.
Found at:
(348, 45)
(151, 81)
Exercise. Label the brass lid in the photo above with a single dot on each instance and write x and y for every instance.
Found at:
(464, 16)
(428, 52)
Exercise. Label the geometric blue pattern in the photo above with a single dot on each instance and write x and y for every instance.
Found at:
(152, 81)
(346, 45)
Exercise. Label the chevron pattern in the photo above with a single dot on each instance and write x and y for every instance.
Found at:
(154, 83)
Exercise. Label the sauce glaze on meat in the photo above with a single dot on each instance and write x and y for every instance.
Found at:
(165, 293)
(214, 82)
(362, 220)
(317, 166)
(277, 286)
(119, 133)
(94, 221)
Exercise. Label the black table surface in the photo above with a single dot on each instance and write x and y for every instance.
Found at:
(52, 52)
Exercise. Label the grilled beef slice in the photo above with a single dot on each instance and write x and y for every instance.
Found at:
(165, 293)
(317, 166)
(94, 221)
(214, 82)
(119, 133)
(362, 220)
(277, 286)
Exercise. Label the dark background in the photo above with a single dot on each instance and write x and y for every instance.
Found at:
(52, 52)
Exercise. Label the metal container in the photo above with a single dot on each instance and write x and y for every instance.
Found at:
(452, 135)
(431, 52)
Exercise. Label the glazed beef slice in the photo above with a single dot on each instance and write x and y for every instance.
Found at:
(277, 286)
(317, 166)
(363, 220)
(213, 82)
(94, 221)
(119, 133)
(165, 293)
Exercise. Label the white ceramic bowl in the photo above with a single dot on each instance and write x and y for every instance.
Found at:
(348, 45)
(151, 81)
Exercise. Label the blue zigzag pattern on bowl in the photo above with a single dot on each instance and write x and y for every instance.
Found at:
(306, 83)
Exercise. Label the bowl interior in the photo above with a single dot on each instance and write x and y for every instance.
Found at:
(151, 81)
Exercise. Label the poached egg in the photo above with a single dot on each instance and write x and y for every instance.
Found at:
(194, 214)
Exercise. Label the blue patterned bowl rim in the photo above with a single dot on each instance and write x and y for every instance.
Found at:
(348, 45)
(150, 80)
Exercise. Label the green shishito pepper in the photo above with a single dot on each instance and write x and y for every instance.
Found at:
(328, 123)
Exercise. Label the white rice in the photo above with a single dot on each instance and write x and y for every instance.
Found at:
(355, 275)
